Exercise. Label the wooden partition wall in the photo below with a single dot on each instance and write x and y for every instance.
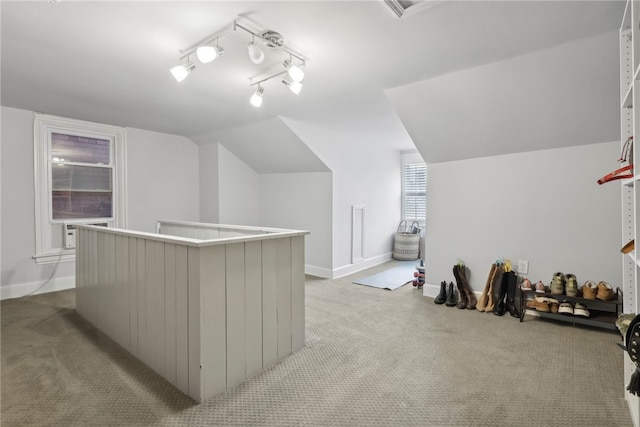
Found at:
(204, 314)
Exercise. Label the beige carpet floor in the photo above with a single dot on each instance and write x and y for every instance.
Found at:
(372, 358)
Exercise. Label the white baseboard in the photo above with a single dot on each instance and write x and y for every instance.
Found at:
(34, 288)
(429, 290)
(316, 271)
(367, 263)
(327, 273)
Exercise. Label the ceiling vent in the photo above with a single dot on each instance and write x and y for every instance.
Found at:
(403, 8)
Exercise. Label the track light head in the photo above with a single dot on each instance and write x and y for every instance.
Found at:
(207, 54)
(294, 71)
(256, 99)
(180, 72)
(293, 86)
(256, 55)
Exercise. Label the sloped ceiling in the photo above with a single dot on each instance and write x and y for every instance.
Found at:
(268, 146)
(553, 98)
(109, 62)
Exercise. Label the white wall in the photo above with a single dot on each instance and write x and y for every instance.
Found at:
(157, 165)
(162, 179)
(239, 190)
(542, 206)
(363, 174)
(301, 201)
(209, 183)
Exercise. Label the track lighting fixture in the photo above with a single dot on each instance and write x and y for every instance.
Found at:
(256, 99)
(180, 72)
(208, 50)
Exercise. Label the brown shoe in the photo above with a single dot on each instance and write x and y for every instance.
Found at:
(484, 298)
(629, 247)
(605, 291)
(553, 305)
(589, 289)
(542, 304)
(495, 284)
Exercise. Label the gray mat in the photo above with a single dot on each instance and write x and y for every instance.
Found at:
(391, 279)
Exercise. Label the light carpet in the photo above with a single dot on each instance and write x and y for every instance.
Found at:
(371, 359)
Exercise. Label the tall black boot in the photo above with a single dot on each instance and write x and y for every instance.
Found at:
(442, 296)
(452, 298)
(460, 284)
(500, 308)
(512, 286)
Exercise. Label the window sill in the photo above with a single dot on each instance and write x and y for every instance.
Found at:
(50, 258)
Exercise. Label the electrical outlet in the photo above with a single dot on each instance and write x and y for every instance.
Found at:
(523, 266)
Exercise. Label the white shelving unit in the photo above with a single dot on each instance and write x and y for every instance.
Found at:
(630, 188)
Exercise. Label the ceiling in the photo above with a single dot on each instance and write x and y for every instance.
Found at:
(109, 61)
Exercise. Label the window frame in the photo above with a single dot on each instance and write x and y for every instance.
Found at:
(44, 125)
(407, 160)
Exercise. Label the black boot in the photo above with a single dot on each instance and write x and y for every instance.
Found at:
(500, 308)
(512, 286)
(459, 283)
(452, 298)
(442, 296)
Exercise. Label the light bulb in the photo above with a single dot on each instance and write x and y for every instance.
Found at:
(293, 86)
(206, 54)
(256, 99)
(180, 72)
(256, 55)
(294, 71)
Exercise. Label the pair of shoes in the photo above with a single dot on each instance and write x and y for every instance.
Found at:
(589, 289)
(539, 304)
(543, 304)
(571, 285)
(605, 292)
(578, 309)
(557, 284)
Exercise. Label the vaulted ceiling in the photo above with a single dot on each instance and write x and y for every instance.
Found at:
(369, 75)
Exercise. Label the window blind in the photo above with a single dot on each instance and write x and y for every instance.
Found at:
(414, 194)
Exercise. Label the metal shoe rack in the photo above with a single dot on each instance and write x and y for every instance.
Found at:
(603, 314)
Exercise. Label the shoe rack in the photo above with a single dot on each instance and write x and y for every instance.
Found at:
(602, 314)
(630, 187)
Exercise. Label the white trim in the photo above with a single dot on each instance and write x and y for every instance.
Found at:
(316, 271)
(43, 126)
(367, 263)
(20, 290)
(357, 234)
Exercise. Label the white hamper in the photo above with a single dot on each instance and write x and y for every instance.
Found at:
(406, 244)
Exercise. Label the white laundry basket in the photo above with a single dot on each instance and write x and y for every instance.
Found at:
(406, 244)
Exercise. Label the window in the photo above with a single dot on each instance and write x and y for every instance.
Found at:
(414, 189)
(79, 176)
